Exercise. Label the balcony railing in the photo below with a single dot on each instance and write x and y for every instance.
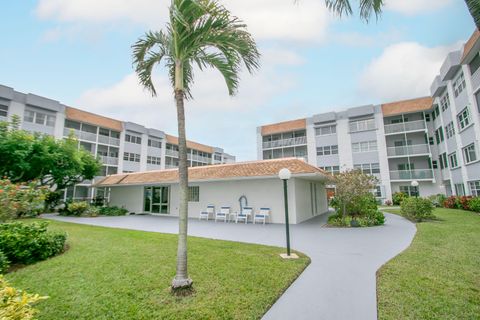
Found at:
(171, 153)
(405, 127)
(419, 174)
(285, 142)
(80, 134)
(476, 79)
(108, 140)
(109, 160)
(410, 150)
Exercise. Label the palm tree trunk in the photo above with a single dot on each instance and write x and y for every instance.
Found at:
(181, 279)
(474, 8)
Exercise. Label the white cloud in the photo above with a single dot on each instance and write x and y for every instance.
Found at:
(412, 7)
(403, 70)
(212, 117)
(266, 19)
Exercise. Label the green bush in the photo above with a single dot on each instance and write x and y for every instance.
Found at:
(16, 304)
(20, 199)
(398, 197)
(417, 209)
(53, 199)
(437, 200)
(113, 211)
(76, 208)
(474, 204)
(92, 211)
(4, 263)
(28, 243)
(375, 218)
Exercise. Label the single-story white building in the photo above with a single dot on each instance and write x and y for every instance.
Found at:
(254, 184)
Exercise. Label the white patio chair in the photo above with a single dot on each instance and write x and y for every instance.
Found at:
(224, 214)
(206, 214)
(244, 214)
(262, 215)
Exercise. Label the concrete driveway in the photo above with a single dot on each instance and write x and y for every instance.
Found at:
(340, 282)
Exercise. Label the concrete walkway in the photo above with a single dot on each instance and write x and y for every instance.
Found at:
(340, 283)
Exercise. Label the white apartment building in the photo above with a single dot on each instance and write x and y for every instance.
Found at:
(123, 147)
(433, 140)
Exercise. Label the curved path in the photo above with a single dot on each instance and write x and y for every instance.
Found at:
(340, 283)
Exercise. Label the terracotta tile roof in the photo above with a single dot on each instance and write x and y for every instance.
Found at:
(405, 106)
(284, 126)
(470, 43)
(263, 168)
(91, 118)
(190, 144)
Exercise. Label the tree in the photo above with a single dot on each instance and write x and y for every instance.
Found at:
(474, 9)
(55, 163)
(352, 187)
(199, 33)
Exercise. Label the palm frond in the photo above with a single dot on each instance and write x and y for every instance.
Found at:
(366, 7)
(474, 8)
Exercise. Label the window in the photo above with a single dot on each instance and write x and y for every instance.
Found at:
(439, 135)
(153, 160)
(194, 194)
(331, 169)
(39, 118)
(435, 164)
(452, 157)
(368, 168)
(469, 153)
(443, 161)
(459, 85)
(362, 125)
(459, 189)
(377, 192)
(3, 110)
(365, 146)
(409, 190)
(427, 117)
(436, 111)
(450, 130)
(133, 139)
(154, 143)
(475, 64)
(445, 102)
(133, 157)
(475, 188)
(217, 157)
(431, 141)
(326, 130)
(464, 118)
(327, 150)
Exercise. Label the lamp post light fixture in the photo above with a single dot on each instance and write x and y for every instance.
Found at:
(415, 185)
(285, 174)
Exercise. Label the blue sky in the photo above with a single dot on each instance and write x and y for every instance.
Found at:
(78, 52)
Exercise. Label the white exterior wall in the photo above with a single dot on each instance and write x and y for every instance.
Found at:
(264, 192)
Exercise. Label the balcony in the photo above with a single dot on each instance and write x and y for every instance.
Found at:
(108, 140)
(171, 153)
(80, 134)
(285, 142)
(419, 174)
(109, 160)
(408, 126)
(411, 150)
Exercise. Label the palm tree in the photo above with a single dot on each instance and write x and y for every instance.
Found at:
(205, 34)
(474, 8)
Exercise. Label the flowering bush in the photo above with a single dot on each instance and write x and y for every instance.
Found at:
(16, 304)
(20, 199)
(388, 202)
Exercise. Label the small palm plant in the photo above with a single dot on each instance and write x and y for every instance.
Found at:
(199, 33)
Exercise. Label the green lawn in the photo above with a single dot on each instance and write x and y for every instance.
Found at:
(438, 276)
(123, 274)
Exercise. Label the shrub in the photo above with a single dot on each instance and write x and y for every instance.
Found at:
(437, 199)
(52, 200)
(388, 202)
(474, 204)
(92, 211)
(375, 218)
(18, 200)
(451, 203)
(29, 243)
(16, 304)
(76, 208)
(417, 209)
(463, 201)
(398, 197)
(4, 263)
(113, 211)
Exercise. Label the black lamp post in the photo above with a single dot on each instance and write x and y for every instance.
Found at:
(284, 175)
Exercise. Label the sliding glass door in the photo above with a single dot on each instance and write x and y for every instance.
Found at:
(156, 200)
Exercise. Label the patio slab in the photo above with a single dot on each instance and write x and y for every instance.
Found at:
(340, 282)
